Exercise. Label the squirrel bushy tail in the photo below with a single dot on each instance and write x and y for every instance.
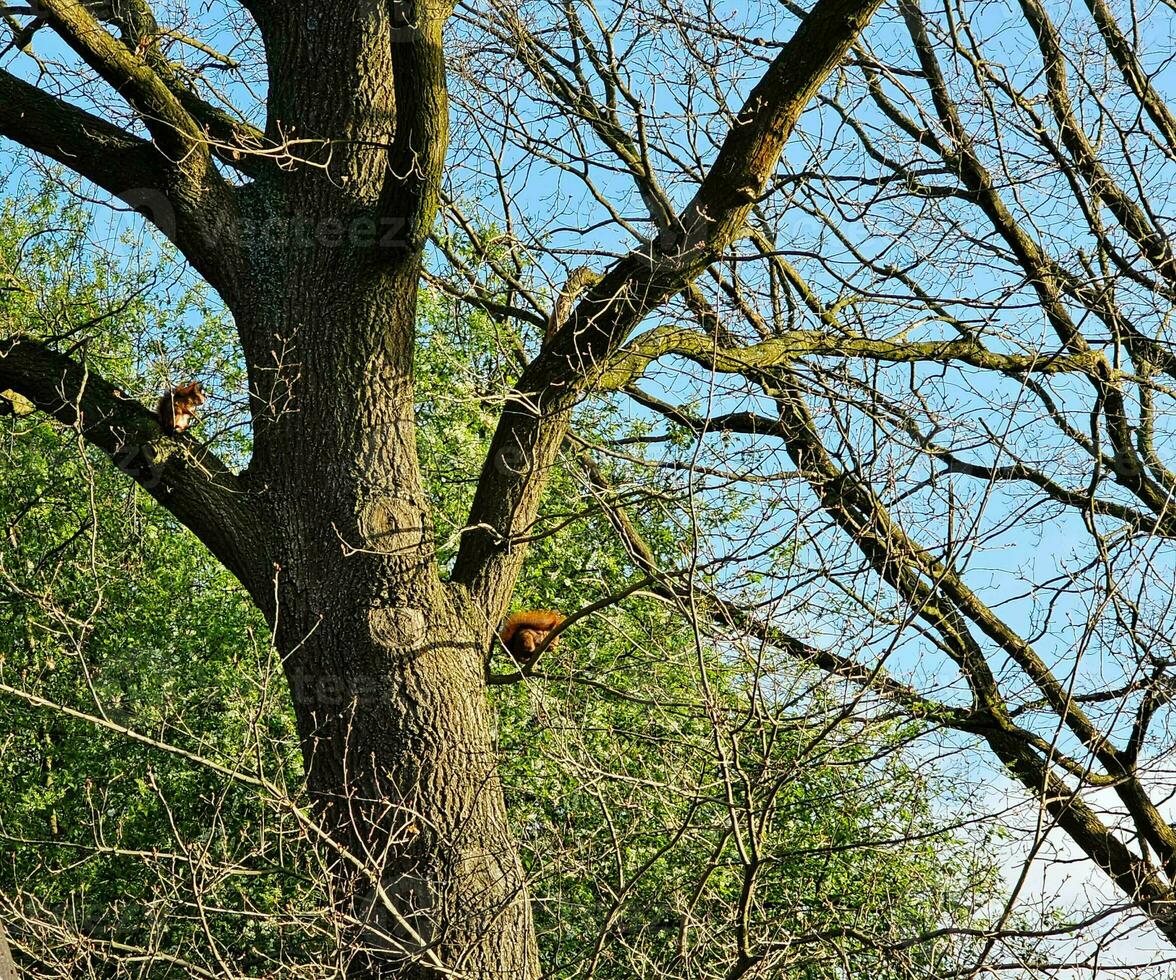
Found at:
(523, 632)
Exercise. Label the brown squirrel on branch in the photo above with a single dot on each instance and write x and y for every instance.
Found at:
(524, 632)
(177, 408)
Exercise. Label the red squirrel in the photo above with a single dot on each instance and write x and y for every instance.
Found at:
(524, 632)
(177, 408)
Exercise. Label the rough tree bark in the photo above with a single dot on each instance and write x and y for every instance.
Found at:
(318, 254)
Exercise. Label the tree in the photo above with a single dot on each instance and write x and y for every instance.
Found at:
(152, 811)
(865, 312)
(327, 527)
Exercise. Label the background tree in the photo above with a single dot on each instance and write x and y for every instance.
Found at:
(945, 336)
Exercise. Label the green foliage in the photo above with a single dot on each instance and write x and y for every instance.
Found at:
(109, 607)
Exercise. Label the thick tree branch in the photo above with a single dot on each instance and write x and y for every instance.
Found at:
(1152, 243)
(233, 141)
(533, 424)
(632, 362)
(182, 474)
(193, 215)
(98, 150)
(1133, 73)
(173, 129)
(171, 180)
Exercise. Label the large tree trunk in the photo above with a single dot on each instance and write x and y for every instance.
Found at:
(386, 663)
(396, 736)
